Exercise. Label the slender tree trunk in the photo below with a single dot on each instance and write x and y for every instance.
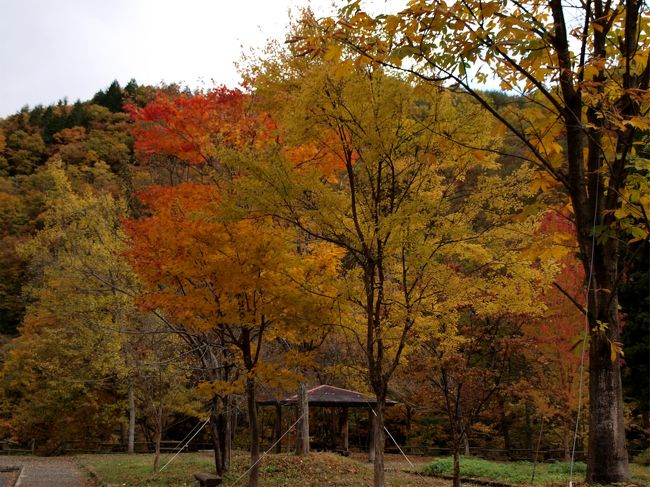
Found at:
(157, 438)
(156, 458)
(131, 398)
(566, 440)
(505, 427)
(379, 440)
(253, 477)
(463, 429)
(226, 451)
(456, 456)
(302, 441)
(216, 437)
(529, 428)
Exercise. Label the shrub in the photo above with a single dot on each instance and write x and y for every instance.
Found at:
(508, 472)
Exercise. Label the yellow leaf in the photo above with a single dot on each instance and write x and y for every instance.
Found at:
(613, 352)
(490, 8)
(333, 53)
(391, 22)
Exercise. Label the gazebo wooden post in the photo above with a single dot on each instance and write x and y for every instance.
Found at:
(302, 443)
(372, 425)
(277, 430)
(344, 427)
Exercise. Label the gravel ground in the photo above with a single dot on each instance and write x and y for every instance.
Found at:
(46, 472)
(8, 478)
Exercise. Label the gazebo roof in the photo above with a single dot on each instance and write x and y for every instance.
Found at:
(325, 395)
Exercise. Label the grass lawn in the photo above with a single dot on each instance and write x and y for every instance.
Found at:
(522, 472)
(324, 470)
(317, 470)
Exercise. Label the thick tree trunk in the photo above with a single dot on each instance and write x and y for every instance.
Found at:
(302, 440)
(608, 461)
(254, 474)
(594, 200)
(131, 398)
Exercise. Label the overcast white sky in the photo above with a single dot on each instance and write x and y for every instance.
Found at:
(51, 49)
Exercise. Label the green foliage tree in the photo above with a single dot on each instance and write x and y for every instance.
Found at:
(111, 98)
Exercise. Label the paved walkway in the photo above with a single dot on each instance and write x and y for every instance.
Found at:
(46, 472)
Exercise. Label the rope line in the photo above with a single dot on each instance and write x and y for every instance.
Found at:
(539, 442)
(399, 447)
(584, 340)
(226, 411)
(267, 451)
(180, 443)
(188, 442)
(395, 441)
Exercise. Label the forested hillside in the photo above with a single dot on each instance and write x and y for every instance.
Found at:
(171, 256)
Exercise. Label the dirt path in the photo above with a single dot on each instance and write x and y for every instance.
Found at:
(46, 472)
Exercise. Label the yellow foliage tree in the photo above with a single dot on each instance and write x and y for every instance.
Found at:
(426, 223)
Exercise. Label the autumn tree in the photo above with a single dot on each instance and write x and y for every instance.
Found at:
(230, 276)
(584, 73)
(366, 166)
(557, 356)
(161, 378)
(470, 369)
(183, 137)
(25, 151)
(192, 137)
(62, 376)
(469, 379)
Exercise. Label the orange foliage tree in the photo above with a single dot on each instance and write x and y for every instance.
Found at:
(193, 135)
(181, 137)
(220, 276)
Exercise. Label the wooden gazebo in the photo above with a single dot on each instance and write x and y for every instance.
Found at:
(329, 397)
